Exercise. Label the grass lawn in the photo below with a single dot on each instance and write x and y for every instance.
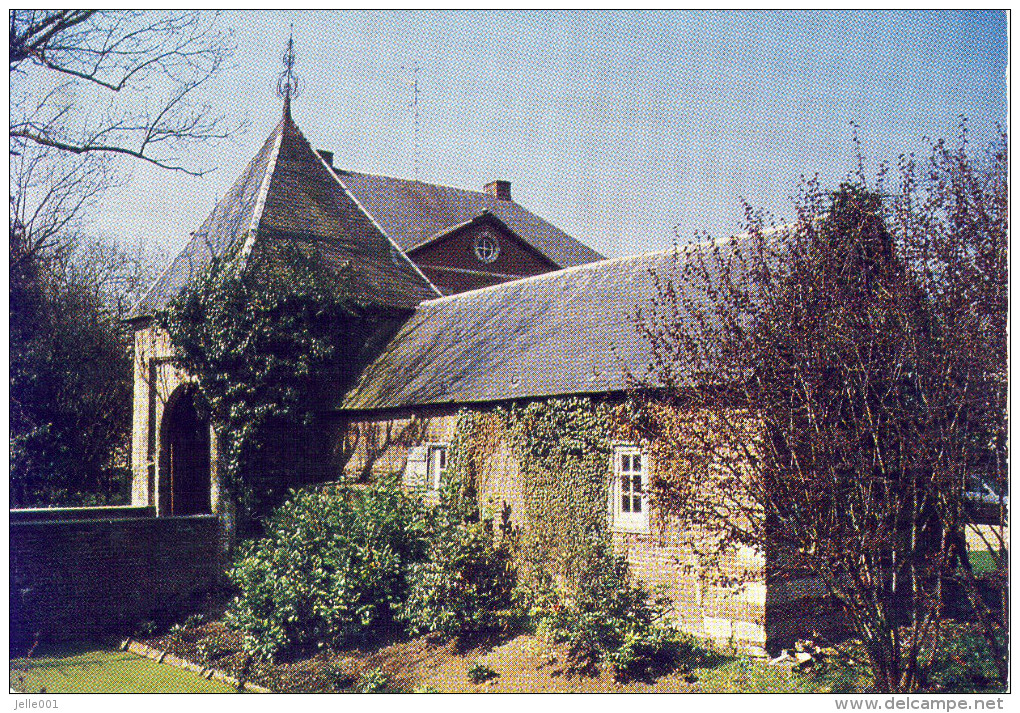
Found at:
(92, 670)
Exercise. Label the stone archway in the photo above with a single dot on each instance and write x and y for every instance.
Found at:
(184, 457)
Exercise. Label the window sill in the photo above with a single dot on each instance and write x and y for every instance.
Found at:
(631, 529)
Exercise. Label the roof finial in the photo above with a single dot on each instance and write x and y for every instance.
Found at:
(287, 86)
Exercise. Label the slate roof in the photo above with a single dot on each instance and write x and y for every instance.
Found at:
(564, 332)
(288, 193)
(413, 213)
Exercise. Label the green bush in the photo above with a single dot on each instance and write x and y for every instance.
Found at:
(480, 673)
(463, 587)
(608, 618)
(652, 651)
(330, 570)
(964, 662)
(373, 681)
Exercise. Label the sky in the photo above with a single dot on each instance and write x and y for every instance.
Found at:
(621, 128)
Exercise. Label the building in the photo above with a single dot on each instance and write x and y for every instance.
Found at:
(496, 306)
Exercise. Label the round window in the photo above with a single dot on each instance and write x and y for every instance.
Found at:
(486, 247)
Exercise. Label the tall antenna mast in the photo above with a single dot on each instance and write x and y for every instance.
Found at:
(415, 69)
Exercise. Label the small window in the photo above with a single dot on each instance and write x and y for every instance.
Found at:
(629, 489)
(486, 247)
(436, 465)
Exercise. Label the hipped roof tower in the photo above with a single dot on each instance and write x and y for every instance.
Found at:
(288, 193)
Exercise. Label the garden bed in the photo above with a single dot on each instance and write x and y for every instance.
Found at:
(522, 663)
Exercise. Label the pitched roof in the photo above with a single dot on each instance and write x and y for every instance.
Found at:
(288, 193)
(565, 332)
(412, 213)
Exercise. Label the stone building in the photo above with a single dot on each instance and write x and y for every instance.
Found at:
(497, 306)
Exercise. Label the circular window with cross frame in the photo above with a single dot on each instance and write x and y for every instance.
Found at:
(486, 247)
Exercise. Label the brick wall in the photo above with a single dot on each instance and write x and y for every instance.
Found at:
(452, 265)
(78, 578)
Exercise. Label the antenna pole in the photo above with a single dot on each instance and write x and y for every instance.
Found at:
(415, 69)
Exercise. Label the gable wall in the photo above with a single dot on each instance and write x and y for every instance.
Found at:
(442, 260)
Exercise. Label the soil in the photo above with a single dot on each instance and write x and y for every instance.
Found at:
(522, 664)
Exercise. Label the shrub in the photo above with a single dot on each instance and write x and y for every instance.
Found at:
(463, 587)
(480, 673)
(373, 681)
(329, 571)
(649, 652)
(609, 618)
(964, 662)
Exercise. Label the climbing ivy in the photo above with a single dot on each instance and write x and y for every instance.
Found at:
(571, 585)
(261, 337)
(563, 449)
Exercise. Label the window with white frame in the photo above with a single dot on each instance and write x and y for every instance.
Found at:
(629, 489)
(436, 465)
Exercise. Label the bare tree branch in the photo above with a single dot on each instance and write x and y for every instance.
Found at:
(144, 65)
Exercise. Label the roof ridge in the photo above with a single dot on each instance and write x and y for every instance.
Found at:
(193, 235)
(598, 264)
(415, 180)
(267, 179)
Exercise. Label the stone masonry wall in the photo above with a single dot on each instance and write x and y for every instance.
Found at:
(77, 579)
(737, 616)
(155, 382)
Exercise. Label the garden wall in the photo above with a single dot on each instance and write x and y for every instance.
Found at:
(92, 573)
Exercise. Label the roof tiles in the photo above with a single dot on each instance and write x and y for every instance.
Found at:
(565, 332)
(413, 213)
(288, 193)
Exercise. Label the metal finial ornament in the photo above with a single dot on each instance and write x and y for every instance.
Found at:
(287, 87)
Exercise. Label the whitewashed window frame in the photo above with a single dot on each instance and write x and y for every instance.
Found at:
(628, 519)
(435, 464)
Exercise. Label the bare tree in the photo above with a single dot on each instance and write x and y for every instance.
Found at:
(953, 215)
(824, 392)
(115, 81)
(52, 195)
(87, 87)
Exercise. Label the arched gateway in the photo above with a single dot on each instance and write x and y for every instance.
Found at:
(184, 457)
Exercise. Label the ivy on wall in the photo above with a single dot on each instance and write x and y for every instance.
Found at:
(261, 337)
(563, 451)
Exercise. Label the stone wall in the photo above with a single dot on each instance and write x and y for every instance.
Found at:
(378, 446)
(156, 381)
(87, 575)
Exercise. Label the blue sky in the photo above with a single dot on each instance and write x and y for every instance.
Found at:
(614, 126)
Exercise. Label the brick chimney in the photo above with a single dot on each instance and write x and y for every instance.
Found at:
(326, 156)
(498, 189)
